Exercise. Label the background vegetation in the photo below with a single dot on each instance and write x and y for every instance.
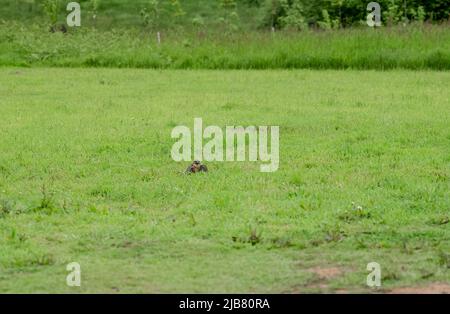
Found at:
(235, 14)
(226, 34)
(85, 167)
(410, 48)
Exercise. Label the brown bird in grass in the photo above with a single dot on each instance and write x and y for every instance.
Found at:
(196, 167)
(58, 28)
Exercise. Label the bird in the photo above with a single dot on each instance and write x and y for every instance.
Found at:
(196, 167)
(58, 28)
(63, 28)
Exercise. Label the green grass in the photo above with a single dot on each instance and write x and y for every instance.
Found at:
(413, 47)
(86, 176)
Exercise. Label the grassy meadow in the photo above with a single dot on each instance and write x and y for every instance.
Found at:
(206, 36)
(415, 47)
(86, 176)
(86, 173)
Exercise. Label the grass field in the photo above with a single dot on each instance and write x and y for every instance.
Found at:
(415, 47)
(86, 176)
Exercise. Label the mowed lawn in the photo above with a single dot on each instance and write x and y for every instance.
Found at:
(86, 176)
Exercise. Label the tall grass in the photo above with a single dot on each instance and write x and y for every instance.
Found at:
(412, 47)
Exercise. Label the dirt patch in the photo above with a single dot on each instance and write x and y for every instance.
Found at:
(319, 283)
(326, 272)
(322, 276)
(435, 288)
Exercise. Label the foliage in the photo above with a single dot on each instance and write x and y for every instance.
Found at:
(230, 17)
(328, 14)
(176, 8)
(51, 8)
(416, 47)
(294, 14)
(151, 13)
(95, 4)
(241, 15)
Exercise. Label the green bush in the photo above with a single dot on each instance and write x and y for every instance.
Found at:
(328, 14)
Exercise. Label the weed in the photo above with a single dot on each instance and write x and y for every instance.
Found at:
(443, 258)
(6, 207)
(355, 213)
(254, 237)
(334, 233)
(46, 204)
(439, 220)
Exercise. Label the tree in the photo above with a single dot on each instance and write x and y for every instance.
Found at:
(51, 8)
(294, 17)
(176, 8)
(231, 16)
(150, 14)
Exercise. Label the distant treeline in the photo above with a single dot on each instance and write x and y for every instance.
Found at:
(229, 15)
(344, 13)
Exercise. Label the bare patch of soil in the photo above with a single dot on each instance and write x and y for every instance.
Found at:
(435, 288)
(326, 272)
